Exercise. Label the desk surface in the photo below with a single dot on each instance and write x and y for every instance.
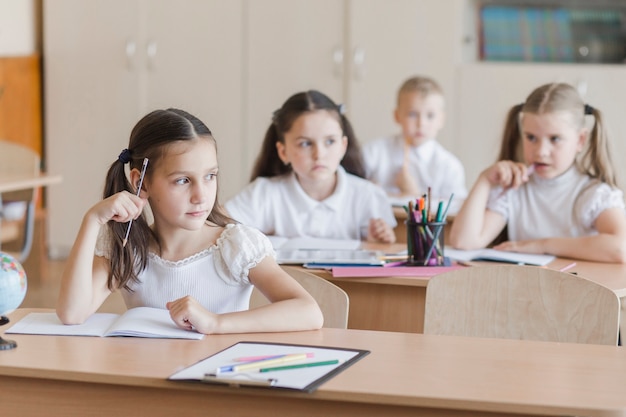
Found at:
(610, 275)
(403, 375)
(22, 182)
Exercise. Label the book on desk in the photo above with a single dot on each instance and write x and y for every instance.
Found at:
(494, 255)
(327, 252)
(136, 322)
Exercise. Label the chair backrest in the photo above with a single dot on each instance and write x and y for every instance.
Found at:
(521, 302)
(333, 301)
(16, 160)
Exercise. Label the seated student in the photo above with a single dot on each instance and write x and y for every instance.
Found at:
(307, 178)
(554, 185)
(408, 163)
(193, 260)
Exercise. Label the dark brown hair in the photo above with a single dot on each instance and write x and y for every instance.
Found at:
(268, 164)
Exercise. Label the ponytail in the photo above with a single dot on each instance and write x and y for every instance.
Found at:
(510, 149)
(352, 161)
(596, 159)
(125, 261)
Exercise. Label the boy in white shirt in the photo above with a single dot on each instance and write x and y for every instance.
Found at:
(408, 163)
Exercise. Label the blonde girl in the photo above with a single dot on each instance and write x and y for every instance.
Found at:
(553, 187)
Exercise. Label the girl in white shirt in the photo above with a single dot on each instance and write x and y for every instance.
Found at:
(554, 185)
(308, 178)
(193, 260)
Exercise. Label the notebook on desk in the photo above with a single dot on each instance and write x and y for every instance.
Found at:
(305, 250)
(499, 256)
(321, 258)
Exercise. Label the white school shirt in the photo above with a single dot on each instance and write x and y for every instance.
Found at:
(279, 206)
(565, 206)
(217, 277)
(431, 165)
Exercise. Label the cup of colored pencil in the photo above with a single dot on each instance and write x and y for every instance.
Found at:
(425, 232)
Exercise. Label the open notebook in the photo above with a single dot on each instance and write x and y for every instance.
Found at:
(136, 322)
(498, 256)
(309, 250)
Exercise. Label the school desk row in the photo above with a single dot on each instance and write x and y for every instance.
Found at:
(404, 375)
(397, 303)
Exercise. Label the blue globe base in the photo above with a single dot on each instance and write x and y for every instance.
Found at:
(6, 344)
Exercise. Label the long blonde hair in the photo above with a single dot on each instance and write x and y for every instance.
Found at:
(595, 160)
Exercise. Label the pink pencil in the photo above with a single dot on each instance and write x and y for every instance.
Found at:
(566, 267)
(264, 357)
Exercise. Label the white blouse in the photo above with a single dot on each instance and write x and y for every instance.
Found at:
(279, 206)
(431, 165)
(566, 206)
(217, 276)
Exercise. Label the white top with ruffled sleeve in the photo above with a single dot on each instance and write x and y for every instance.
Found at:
(217, 276)
(565, 206)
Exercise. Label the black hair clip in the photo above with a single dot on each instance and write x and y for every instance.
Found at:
(124, 157)
(588, 109)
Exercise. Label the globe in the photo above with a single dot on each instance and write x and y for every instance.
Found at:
(12, 291)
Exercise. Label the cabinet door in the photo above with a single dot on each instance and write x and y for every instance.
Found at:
(90, 101)
(292, 46)
(488, 91)
(391, 41)
(192, 59)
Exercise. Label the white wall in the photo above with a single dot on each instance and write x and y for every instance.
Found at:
(17, 27)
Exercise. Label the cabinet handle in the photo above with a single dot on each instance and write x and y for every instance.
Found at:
(151, 51)
(338, 62)
(131, 49)
(358, 58)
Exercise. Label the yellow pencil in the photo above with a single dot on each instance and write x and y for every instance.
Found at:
(266, 363)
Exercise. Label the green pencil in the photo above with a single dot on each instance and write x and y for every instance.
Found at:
(300, 365)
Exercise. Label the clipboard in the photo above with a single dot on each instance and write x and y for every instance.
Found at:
(298, 378)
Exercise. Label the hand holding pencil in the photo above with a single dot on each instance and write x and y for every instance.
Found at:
(143, 173)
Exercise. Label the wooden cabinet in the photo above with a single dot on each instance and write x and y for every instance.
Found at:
(356, 51)
(109, 62)
(20, 100)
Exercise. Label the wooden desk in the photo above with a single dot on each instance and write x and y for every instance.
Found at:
(397, 303)
(405, 375)
(21, 182)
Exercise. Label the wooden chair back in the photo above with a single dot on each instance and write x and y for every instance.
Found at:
(16, 160)
(521, 302)
(333, 301)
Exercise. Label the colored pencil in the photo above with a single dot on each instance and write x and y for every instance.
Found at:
(300, 365)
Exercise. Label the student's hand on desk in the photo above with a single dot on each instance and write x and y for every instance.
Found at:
(526, 246)
(380, 231)
(506, 174)
(188, 314)
(120, 207)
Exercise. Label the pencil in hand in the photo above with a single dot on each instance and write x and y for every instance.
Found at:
(143, 173)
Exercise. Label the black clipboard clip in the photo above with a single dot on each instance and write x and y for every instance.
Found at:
(239, 380)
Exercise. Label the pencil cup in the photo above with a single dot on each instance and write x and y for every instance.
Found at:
(425, 243)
